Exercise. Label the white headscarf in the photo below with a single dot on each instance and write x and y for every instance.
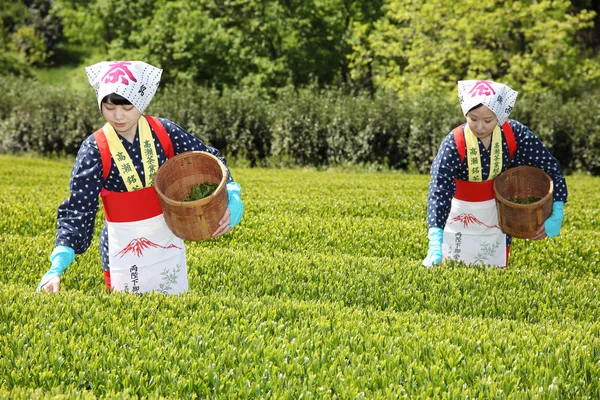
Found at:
(134, 80)
(496, 96)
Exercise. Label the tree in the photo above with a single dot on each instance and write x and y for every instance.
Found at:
(226, 43)
(531, 45)
(30, 34)
(591, 36)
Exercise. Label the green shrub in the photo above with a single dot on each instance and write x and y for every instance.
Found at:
(299, 127)
(46, 119)
(12, 63)
(237, 123)
(582, 133)
(433, 117)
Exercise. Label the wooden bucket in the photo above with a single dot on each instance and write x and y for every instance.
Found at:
(192, 220)
(523, 220)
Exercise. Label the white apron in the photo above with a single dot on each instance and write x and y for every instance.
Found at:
(472, 234)
(144, 255)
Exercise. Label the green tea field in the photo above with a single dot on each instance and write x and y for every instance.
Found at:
(318, 293)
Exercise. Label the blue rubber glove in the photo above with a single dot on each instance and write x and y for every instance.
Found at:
(236, 207)
(434, 254)
(553, 223)
(60, 258)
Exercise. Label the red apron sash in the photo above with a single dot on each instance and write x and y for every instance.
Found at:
(130, 206)
(474, 191)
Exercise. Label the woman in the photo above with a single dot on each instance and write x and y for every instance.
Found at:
(461, 210)
(118, 162)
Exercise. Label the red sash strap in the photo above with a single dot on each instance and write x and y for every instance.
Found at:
(459, 139)
(161, 133)
(474, 191)
(104, 151)
(107, 279)
(130, 206)
(509, 135)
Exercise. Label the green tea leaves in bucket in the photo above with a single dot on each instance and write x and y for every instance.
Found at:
(526, 200)
(201, 191)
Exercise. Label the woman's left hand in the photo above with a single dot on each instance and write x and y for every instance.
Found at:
(551, 227)
(224, 224)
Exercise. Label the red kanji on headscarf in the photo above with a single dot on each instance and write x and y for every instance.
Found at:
(482, 88)
(119, 70)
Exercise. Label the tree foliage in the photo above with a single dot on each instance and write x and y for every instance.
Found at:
(226, 43)
(30, 34)
(531, 45)
(412, 46)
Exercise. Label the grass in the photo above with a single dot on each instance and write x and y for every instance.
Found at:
(318, 293)
(69, 67)
(72, 77)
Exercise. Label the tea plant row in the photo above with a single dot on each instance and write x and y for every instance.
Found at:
(318, 293)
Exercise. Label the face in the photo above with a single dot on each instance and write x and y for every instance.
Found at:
(123, 118)
(482, 121)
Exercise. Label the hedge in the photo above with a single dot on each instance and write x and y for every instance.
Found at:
(298, 127)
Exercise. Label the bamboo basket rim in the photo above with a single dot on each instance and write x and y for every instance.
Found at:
(199, 202)
(509, 203)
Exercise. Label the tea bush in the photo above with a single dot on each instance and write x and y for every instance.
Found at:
(298, 127)
(44, 119)
(318, 293)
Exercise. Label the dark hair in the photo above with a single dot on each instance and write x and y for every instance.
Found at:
(116, 99)
(476, 107)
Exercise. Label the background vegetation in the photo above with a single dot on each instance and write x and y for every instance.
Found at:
(305, 126)
(404, 45)
(320, 82)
